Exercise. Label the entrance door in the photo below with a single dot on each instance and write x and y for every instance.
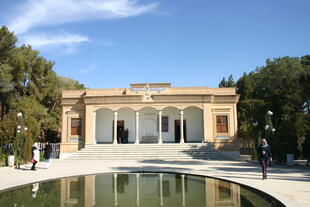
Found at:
(177, 130)
(120, 130)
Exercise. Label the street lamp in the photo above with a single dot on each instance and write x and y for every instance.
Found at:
(19, 141)
(255, 123)
(270, 113)
(269, 127)
(256, 135)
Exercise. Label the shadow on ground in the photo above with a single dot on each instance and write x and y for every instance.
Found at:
(234, 169)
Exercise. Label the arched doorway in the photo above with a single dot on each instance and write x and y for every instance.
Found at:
(104, 120)
(148, 132)
(126, 119)
(169, 116)
(194, 124)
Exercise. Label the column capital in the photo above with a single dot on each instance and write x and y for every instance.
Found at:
(160, 112)
(137, 113)
(181, 112)
(115, 113)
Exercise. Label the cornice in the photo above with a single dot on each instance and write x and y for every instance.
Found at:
(137, 99)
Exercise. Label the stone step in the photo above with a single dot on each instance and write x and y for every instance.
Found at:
(150, 151)
(146, 158)
(149, 145)
(147, 151)
(145, 148)
(149, 154)
(188, 149)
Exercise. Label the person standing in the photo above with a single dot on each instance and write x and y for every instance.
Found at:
(35, 156)
(47, 154)
(119, 135)
(265, 156)
(122, 136)
(126, 135)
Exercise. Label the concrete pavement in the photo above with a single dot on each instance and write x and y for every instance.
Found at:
(290, 185)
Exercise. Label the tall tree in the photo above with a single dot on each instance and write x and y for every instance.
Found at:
(229, 83)
(7, 45)
(29, 85)
(305, 82)
(277, 87)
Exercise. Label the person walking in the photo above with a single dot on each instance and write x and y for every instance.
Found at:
(47, 154)
(35, 156)
(265, 156)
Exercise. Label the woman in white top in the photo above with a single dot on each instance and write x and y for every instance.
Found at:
(35, 156)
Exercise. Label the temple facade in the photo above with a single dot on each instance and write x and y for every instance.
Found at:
(149, 113)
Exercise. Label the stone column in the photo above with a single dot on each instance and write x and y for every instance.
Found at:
(115, 189)
(89, 191)
(94, 128)
(183, 189)
(161, 189)
(181, 127)
(64, 129)
(68, 127)
(115, 128)
(210, 188)
(89, 121)
(137, 127)
(160, 140)
(138, 189)
(207, 123)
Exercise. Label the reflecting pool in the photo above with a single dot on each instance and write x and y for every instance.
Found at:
(136, 189)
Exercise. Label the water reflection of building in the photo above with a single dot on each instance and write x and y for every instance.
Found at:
(148, 190)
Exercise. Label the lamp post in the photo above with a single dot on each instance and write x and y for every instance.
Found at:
(256, 139)
(269, 126)
(19, 141)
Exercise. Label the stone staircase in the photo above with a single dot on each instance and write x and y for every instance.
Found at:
(148, 152)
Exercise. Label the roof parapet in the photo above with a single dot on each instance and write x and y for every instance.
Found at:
(151, 85)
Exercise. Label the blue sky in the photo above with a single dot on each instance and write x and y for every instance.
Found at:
(112, 43)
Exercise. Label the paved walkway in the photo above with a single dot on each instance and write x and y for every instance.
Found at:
(289, 185)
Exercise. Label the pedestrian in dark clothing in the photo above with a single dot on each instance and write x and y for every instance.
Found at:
(126, 135)
(265, 156)
(122, 136)
(47, 154)
(119, 135)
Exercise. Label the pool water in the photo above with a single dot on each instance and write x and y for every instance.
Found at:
(136, 189)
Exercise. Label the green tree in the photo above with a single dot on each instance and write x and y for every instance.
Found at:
(7, 45)
(29, 85)
(229, 83)
(305, 82)
(279, 87)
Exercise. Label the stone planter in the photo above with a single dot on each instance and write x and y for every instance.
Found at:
(290, 159)
(11, 161)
